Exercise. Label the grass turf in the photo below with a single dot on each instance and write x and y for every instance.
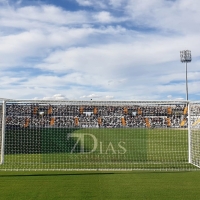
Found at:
(100, 186)
(144, 146)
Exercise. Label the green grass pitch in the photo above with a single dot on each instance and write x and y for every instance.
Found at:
(112, 149)
(99, 185)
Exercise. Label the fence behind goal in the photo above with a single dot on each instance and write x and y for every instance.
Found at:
(99, 135)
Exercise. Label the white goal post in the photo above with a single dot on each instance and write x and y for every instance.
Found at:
(99, 135)
(2, 129)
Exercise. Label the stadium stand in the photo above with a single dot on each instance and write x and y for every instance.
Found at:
(183, 122)
(168, 122)
(29, 115)
(196, 122)
(52, 121)
(147, 122)
(123, 121)
(26, 124)
(185, 110)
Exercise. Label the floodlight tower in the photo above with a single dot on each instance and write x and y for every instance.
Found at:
(185, 58)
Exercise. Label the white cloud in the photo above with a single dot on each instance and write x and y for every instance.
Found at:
(103, 17)
(94, 3)
(103, 4)
(99, 54)
(97, 97)
(4, 2)
(85, 2)
(117, 3)
(109, 97)
(55, 97)
(91, 96)
(36, 31)
(179, 16)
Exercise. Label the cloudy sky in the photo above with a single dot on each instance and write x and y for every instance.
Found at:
(99, 49)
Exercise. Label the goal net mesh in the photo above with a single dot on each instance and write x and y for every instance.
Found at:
(98, 135)
(194, 134)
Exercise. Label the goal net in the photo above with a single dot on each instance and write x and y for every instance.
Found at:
(194, 134)
(98, 135)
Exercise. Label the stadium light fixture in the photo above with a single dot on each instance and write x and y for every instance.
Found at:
(185, 58)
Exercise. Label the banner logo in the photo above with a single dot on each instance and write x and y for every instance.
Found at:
(102, 148)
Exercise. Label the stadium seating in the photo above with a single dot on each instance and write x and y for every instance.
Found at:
(96, 116)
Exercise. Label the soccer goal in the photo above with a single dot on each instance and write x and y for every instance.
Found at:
(99, 135)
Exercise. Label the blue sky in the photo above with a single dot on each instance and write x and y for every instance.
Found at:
(98, 49)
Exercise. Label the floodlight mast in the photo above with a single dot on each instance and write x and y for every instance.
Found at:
(185, 58)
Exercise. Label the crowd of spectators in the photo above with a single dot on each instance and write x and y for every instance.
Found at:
(46, 115)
